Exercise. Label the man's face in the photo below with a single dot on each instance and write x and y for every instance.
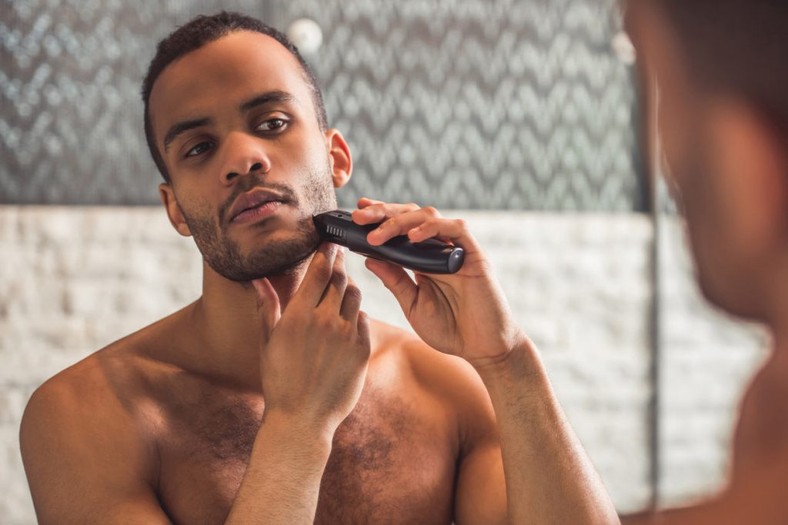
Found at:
(236, 125)
(685, 131)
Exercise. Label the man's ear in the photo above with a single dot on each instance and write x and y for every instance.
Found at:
(339, 157)
(173, 210)
(750, 157)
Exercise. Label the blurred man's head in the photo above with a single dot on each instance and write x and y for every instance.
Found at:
(718, 70)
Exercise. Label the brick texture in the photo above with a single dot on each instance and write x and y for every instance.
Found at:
(74, 279)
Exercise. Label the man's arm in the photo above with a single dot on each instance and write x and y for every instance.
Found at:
(546, 468)
(549, 479)
(313, 364)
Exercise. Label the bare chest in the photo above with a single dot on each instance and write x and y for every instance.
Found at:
(390, 463)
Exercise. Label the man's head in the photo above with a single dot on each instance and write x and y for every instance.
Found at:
(717, 69)
(236, 124)
(203, 30)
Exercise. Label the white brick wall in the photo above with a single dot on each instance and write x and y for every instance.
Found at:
(75, 279)
(706, 360)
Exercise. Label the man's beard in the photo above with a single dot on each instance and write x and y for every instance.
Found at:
(225, 256)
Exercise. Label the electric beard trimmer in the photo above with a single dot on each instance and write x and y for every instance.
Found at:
(429, 256)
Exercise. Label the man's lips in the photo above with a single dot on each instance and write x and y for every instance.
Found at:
(255, 203)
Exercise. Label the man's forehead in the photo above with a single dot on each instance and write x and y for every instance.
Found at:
(254, 54)
(242, 63)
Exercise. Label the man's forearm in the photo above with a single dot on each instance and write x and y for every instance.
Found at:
(549, 478)
(282, 481)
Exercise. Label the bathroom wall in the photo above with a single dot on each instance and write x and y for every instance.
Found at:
(76, 278)
(519, 116)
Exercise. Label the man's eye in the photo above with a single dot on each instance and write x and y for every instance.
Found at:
(272, 124)
(199, 149)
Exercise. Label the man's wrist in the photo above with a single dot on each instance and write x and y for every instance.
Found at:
(294, 430)
(520, 362)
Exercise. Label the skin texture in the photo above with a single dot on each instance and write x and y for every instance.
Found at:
(729, 168)
(273, 398)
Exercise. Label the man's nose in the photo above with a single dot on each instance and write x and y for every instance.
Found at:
(243, 154)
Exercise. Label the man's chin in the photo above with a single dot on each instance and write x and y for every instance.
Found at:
(275, 253)
(278, 259)
(290, 268)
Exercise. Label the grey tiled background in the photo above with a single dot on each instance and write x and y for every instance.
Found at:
(518, 110)
(473, 104)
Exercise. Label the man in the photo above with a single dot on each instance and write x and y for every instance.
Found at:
(716, 70)
(273, 399)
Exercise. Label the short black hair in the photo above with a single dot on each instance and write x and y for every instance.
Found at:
(736, 46)
(203, 30)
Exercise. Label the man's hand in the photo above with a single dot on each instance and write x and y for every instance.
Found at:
(314, 354)
(465, 313)
(548, 477)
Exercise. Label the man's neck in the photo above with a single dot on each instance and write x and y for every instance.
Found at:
(228, 325)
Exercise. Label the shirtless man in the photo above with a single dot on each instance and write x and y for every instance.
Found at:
(721, 69)
(272, 398)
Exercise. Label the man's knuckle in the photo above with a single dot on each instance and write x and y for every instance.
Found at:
(431, 211)
(393, 223)
(353, 292)
(339, 277)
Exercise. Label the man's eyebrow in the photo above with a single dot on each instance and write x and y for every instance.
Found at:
(269, 97)
(182, 127)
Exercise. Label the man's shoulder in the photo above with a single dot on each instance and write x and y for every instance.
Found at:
(444, 386)
(450, 377)
(88, 432)
(64, 405)
(88, 388)
(105, 383)
(392, 341)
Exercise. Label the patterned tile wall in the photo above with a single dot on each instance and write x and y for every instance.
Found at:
(505, 104)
